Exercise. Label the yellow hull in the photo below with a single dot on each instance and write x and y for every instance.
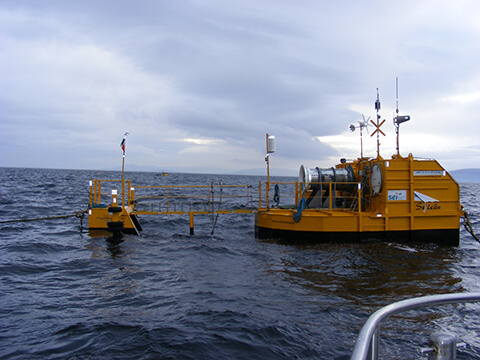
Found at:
(339, 227)
(416, 200)
(102, 218)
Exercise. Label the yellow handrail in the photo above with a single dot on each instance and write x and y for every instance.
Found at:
(171, 193)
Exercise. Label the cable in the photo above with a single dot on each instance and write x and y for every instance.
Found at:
(468, 226)
(78, 214)
(219, 204)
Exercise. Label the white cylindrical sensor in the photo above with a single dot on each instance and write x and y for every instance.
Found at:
(271, 144)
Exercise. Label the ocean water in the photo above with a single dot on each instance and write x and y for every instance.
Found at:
(66, 293)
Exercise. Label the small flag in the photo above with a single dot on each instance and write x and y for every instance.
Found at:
(122, 144)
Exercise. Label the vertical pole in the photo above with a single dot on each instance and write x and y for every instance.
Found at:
(297, 186)
(122, 145)
(129, 196)
(411, 190)
(374, 345)
(167, 202)
(268, 172)
(360, 222)
(394, 122)
(99, 192)
(90, 196)
(330, 196)
(212, 190)
(260, 195)
(95, 187)
(361, 142)
(377, 107)
(132, 197)
(123, 181)
(191, 223)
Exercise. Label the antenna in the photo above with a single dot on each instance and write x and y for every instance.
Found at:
(396, 92)
(398, 119)
(378, 124)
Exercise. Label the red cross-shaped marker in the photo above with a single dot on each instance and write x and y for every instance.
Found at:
(378, 128)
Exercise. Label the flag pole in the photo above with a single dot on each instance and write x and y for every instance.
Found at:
(123, 181)
(122, 145)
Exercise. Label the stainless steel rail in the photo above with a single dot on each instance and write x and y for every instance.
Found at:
(366, 346)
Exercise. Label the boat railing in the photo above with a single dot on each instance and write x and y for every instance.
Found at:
(215, 197)
(326, 196)
(367, 344)
(100, 191)
(275, 192)
(333, 195)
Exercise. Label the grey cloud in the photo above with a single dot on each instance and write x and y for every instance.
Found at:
(170, 70)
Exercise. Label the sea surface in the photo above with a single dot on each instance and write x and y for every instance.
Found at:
(66, 293)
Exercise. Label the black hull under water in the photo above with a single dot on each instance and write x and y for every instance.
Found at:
(444, 237)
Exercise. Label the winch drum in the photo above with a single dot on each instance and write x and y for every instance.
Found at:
(313, 178)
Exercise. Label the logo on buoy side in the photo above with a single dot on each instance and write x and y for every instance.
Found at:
(428, 206)
(426, 202)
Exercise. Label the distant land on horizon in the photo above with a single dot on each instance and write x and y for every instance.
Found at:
(466, 175)
(461, 175)
(199, 170)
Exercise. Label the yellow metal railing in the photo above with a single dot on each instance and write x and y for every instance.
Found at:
(219, 197)
(173, 198)
(285, 193)
(96, 196)
(290, 194)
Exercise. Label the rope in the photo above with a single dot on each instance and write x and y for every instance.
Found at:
(219, 204)
(297, 215)
(78, 214)
(468, 226)
(276, 196)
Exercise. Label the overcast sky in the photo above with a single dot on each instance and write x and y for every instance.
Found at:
(198, 84)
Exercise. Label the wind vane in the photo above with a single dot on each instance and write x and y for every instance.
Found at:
(361, 125)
